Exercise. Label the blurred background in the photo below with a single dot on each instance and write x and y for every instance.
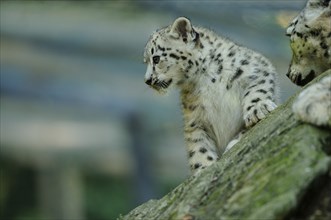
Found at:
(82, 136)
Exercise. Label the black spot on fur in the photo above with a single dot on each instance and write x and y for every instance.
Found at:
(203, 150)
(231, 54)
(234, 77)
(213, 80)
(299, 34)
(237, 74)
(255, 112)
(262, 91)
(196, 166)
(220, 68)
(190, 62)
(174, 56)
(323, 45)
(160, 48)
(246, 94)
(164, 54)
(315, 32)
(210, 158)
(192, 107)
(249, 107)
(252, 86)
(264, 63)
(265, 73)
(256, 100)
(253, 77)
(194, 140)
(191, 154)
(183, 57)
(261, 82)
(204, 128)
(152, 51)
(244, 62)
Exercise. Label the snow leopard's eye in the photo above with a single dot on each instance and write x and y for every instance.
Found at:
(156, 59)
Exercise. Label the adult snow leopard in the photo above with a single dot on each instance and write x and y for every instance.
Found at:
(310, 34)
(310, 41)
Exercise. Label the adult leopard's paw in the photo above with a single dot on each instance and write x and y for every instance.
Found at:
(313, 105)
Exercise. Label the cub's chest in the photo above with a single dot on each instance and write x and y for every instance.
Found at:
(221, 102)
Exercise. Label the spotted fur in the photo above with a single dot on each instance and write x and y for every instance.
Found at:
(310, 36)
(224, 87)
(313, 104)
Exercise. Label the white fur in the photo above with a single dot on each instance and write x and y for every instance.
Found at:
(224, 87)
(313, 104)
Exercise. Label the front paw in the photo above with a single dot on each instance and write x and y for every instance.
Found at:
(258, 111)
(313, 104)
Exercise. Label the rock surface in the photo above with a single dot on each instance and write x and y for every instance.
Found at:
(281, 169)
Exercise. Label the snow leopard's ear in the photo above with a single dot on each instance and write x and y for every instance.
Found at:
(181, 27)
(318, 3)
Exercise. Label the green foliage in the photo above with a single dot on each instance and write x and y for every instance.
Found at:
(106, 197)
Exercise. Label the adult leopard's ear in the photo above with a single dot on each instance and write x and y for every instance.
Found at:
(324, 3)
(181, 28)
(318, 3)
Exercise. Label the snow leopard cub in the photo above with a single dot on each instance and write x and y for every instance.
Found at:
(224, 87)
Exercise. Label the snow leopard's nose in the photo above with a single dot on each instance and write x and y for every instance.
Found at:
(148, 81)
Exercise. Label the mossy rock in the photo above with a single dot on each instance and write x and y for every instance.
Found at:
(281, 169)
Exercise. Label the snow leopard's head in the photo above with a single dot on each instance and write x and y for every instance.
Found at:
(167, 54)
(310, 37)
